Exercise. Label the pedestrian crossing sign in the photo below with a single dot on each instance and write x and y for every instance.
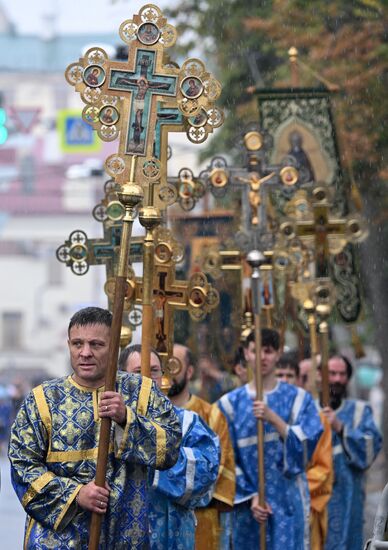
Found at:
(76, 136)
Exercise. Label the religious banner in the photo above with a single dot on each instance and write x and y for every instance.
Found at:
(301, 125)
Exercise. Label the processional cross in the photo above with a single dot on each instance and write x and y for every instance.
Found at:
(325, 235)
(169, 294)
(80, 252)
(255, 179)
(122, 98)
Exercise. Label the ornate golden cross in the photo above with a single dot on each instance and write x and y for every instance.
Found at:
(326, 234)
(196, 295)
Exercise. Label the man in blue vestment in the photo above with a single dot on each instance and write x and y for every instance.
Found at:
(54, 444)
(291, 431)
(176, 492)
(356, 441)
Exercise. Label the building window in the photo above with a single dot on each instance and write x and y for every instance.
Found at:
(12, 330)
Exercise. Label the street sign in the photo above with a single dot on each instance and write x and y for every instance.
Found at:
(24, 118)
(76, 136)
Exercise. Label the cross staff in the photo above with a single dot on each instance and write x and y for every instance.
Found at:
(316, 297)
(79, 253)
(327, 234)
(130, 196)
(125, 96)
(257, 176)
(196, 295)
(255, 259)
(215, 261)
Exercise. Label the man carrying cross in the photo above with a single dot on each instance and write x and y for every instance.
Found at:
(54, 444)
(291, 431)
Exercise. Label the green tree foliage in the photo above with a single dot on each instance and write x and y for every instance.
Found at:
(345, 41)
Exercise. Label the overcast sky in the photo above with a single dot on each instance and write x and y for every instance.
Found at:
(73, 16)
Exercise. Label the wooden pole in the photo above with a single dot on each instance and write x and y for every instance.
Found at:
(255, 259)
(130, 195)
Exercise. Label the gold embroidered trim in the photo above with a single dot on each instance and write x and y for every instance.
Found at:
(125, 434)
(67, 506)
(144, 395)
(31, 523)
(161, 445)
(222, 498)
(43, 410)
(228, 474)
(36, 487)
(74, 456)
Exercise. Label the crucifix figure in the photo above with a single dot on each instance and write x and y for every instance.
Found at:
(145, 85)
(169, 294)
(254, 196)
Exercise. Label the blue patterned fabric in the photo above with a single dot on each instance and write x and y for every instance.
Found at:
(284, 465)
(353, 452)
(53, 451)
(188, 484)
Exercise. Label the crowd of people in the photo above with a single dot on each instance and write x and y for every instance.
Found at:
(182, 472)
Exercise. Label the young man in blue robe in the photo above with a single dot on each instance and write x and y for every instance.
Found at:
(356, 441)
(54, 444)
(291, 431)
(176, 492)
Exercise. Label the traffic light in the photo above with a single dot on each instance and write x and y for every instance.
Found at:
(3, 129)
(3, 120)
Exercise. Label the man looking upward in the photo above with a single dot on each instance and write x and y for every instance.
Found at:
(54, 444)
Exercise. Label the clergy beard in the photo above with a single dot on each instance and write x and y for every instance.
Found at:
(177, 388)
(337, 393)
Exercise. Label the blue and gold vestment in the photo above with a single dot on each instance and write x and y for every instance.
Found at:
(354, 450)
(53, 451)
(285, 462)
(185, 486)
